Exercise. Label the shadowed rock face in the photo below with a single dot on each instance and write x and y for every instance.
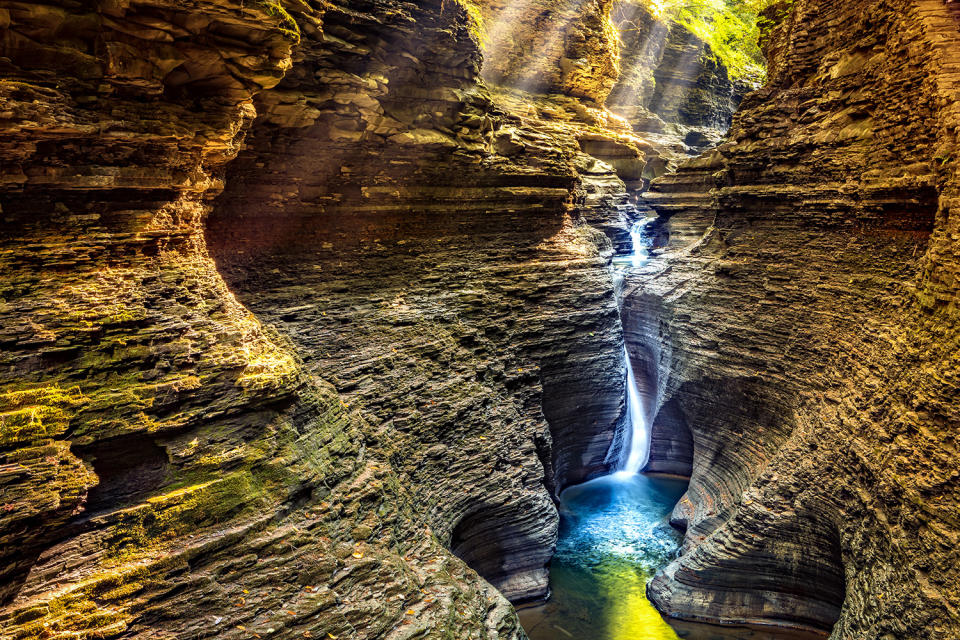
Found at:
(106, 168)
(446, 292)
(806, 322)
(442, 323)
(670, 84)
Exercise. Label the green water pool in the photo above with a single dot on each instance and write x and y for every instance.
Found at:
(614, 535)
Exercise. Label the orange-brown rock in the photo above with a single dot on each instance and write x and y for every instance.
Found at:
(802, 323)
(550, 46)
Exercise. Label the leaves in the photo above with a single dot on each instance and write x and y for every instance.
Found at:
(730, 27)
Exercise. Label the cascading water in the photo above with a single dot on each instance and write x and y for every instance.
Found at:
(637, 425)
(640, 254)
(633, 443)
(615, 533)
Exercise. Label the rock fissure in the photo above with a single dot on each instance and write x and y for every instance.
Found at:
(307, 312)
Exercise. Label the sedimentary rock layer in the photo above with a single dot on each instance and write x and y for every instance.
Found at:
(440, 324)
(655, 72)
(806, 324)
(104, 180)
(429, 264)
(550, 46)
(670, 83)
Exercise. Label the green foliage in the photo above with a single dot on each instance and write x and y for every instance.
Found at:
(287, 23)
(476, 24)
(732, 28)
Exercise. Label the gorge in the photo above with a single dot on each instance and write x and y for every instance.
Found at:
(314, 316)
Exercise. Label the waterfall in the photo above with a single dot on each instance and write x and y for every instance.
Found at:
(636, 424)
(640, 253)
(631, 445)
(640, 246)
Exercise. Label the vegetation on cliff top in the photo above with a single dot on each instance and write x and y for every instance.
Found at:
(731, 28)
(478, 28)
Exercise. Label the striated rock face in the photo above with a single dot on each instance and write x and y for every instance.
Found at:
(444, 288)
(801, 322)
(670, 84)
(655, 73)
(417, 356)
(298, 319)
(108, 163)
(550, 46)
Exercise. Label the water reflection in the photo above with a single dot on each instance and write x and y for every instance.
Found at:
(614, 535)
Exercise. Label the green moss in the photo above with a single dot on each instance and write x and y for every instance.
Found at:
(478, 29)
(732, 28)
(190, 509)
(31, 415)
(287, 24)
(270, 364)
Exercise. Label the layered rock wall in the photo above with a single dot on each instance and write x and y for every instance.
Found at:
(670, 83)
(437, 316)
(108, 166)
(807, 303)
(652, 71)
(430, 263)
(550, 46)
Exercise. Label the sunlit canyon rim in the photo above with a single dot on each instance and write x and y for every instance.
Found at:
(310, 311)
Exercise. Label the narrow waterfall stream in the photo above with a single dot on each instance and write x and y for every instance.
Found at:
(615, 535)
(637, 424)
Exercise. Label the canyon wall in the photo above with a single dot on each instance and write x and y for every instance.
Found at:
(299, 319)
(658, 75)
(801, 321)
(424, 251)
(671, 87)
(550, 46)
(410, 353)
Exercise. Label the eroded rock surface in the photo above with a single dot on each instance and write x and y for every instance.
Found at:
(433, 264)
(550, 46)
(298, 316)
(805, 330)
(172, 465)
(671, 87)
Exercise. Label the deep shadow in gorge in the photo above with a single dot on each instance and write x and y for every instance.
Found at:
(296, 314)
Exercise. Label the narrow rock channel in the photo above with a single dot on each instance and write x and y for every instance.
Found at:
(615, 532)
(320, 319)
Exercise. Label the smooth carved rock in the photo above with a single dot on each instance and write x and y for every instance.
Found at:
(804, 308)
(169, 466)
(450, 294)
(396, 337)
